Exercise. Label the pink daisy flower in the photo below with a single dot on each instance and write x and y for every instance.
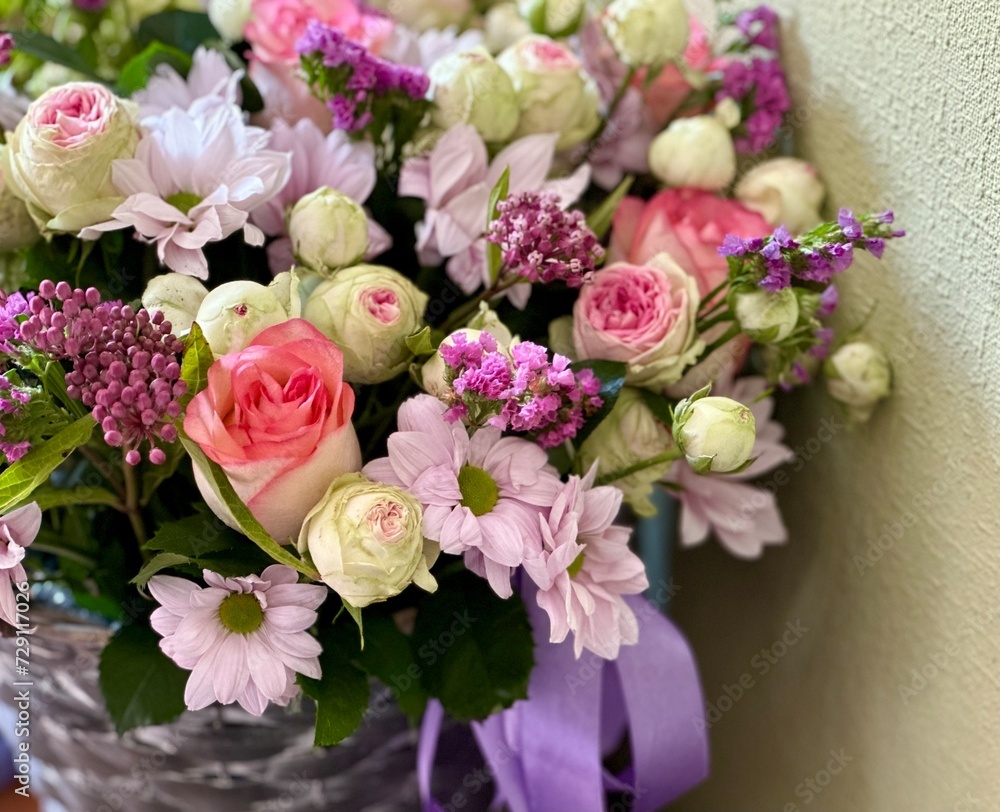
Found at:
(482, 496)
(584, 568)
(243, 639)
(17, 530)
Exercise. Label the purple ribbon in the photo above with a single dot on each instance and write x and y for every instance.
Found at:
(545, 753)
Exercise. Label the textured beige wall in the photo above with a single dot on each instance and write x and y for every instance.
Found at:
(900, 107)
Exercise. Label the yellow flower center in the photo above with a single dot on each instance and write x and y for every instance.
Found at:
(574, 569)
(241, 613)
(185, 201)
(480, 493)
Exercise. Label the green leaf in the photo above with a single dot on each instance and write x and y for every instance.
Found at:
(612, 376)
(156, 564)
(141, 685)
(220, 484)
(194, 536)
(660, 406)
(341, 695)
(140, 67)
(421, 343)
(355, 614)
(195, 363)
(20, 479)
(475, 649)
(601, 219)
(42, 46)
(494, 257)
(391, 659)
(184, 30)
(49, 497)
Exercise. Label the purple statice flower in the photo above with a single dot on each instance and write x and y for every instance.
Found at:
(12, 306)
(828, 301)
(758, 85)
(125, 363)
(759, 27)
(92, 6)
(522, 391)
(357, 79)
(12, 400)
(6, 47)
(541, 242)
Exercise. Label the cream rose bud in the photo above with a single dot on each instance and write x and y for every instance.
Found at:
(58, 160)
(328, 230)
(423, 15)
(234, 314)
(17, 229)
(433, 374)
(469, 87)
(765, 317)
(630, 435)
(554, 18)
(695, 152)
(229, 17)
(716, 434)
(366, 539)
(503, 25)
(554, 93)
(647, 32)
(858, 375)
(176, 295)
(368, 311)
(784, 191)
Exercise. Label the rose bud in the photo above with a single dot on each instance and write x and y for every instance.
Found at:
(229, 17)
(695, 152)
(328, 230)
(553, 18)
(504, 26)
(469, 87)
(716, 434)
(235, 313)
(176, 295)
(785, 191)
(858, 375)
(647, 32)
(554, 93)
(366, 539)
(765, 317)
(368, 311)
(59, 159)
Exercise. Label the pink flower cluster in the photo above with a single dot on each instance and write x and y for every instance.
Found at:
(543, 243)
(523, 392)
(126, 363)
(12, 398)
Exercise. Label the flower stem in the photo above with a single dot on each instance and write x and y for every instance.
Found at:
(102, 467)
(725, 338)
(612, 108)
(132, 502)
(462, 314)
(659, 459)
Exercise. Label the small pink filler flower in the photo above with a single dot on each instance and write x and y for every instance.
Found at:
(243, 639)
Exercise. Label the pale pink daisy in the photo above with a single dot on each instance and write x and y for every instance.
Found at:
(195, 177)
(318, 160)
(17, 530)
(242, 639)
(744, 518)
(422, 49)
(585, 567)
(210, 77)
(482, 496)
(455, 181)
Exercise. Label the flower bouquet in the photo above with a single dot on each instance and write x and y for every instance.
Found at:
(335, 337)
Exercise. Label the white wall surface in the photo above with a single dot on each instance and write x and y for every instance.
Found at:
(899, 671)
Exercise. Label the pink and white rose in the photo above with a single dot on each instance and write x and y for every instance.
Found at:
(277, 418)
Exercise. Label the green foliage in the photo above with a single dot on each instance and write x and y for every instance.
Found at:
(140, 67)
(601, 219)
(45, 48)
(390, 657)
(183, 30)
(612, 377)
(195, 363)
(494, 258)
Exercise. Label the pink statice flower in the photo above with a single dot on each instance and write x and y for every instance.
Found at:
(743, 517)
(585, 567)
(455, 180)
(210, 77)
(196, 176)
(242, 639)
(17, 530)
(482, 495)
(318, 160)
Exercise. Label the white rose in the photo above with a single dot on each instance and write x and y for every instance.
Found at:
(366, 539)
(504, 26)
(471, 88)
(858, 375)
(716, 434)
(784, 191)
(647, 32)
(229, 17)
(554, 18)
(368, 311)
(423, 15)
(234, 314)
(554, 93)
(767, 317)
(17, 229)
(328, 230)
(176, 295)
(697, 152)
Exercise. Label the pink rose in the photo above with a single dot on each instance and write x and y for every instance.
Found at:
(665, 95)
(644, 315)
(277, 418)
(276, 25)
(688, 224)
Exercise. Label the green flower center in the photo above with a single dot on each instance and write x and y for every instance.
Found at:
(185, 201)
(241, 613)
(577, 565)
(480, 493)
